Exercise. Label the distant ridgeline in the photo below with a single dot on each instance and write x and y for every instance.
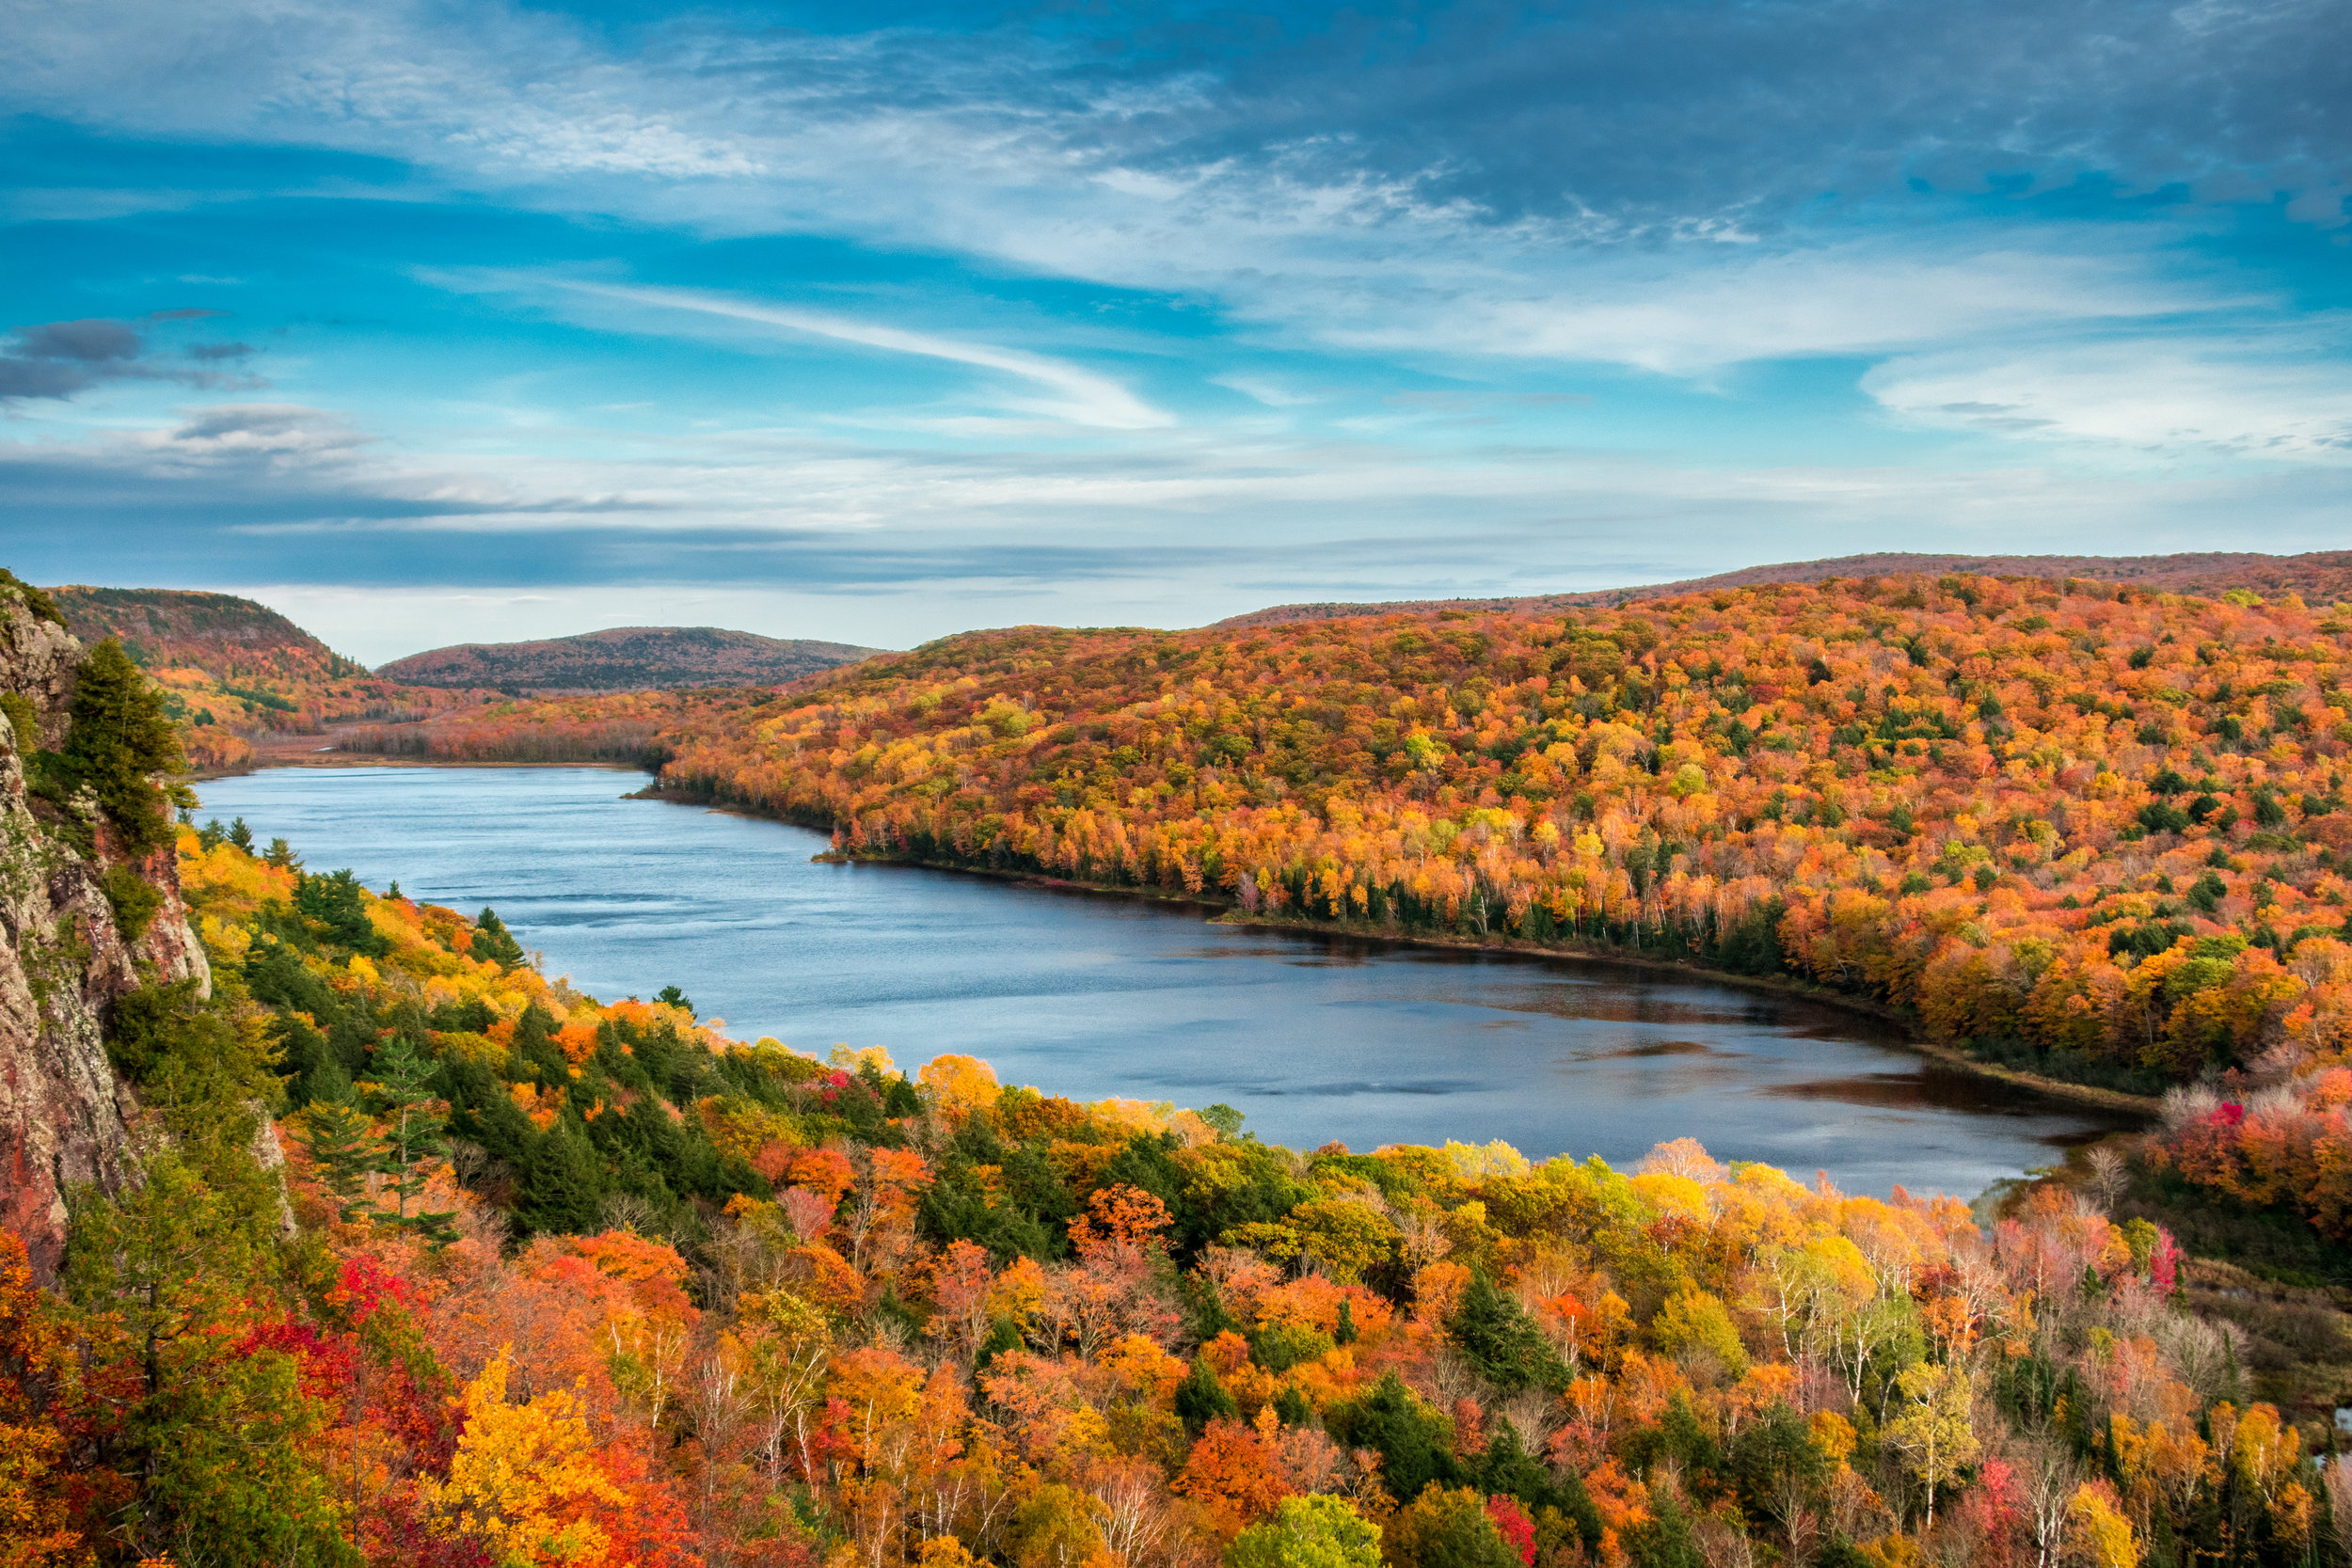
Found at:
(625, 658)
(228, 665)
(234, 671)
(2322, 576)
(2089, 828)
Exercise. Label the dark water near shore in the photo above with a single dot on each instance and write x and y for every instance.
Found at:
(1089, 995)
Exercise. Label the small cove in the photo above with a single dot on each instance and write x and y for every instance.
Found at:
(1314, 1038)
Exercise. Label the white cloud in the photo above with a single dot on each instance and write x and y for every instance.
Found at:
(1865, 297)
(1079, 395)
(1015, 158)
(1013, 154)
(2252, 396)
(274, 432)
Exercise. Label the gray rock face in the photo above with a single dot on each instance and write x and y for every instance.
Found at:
(65, 1119)
(37, 659)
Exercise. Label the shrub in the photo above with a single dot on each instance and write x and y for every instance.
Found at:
(134, 900)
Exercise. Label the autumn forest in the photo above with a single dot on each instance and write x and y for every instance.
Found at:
(432, 1259)
(2065, 827)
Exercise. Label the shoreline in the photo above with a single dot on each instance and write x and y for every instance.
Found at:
(1783, 985)
(1787, 987)
(2146, 1107)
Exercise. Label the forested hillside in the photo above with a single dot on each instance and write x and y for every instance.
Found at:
(2071, 828)
(233, 669)
(413, 1256)
(2321, 575)
(567, 1281)
(624, 659)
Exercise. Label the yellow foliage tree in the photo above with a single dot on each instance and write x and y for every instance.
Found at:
(525, 1481)
(2098, 1535)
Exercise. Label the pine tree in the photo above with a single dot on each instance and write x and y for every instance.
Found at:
(1414, 1442)
(341, 1140)
(120, 738)
(565, 1192)
(413, 1147)
(1202, 1397)
(1501, 1341)
(493, 941)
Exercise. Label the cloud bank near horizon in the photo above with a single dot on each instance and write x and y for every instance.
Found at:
(1156, 314)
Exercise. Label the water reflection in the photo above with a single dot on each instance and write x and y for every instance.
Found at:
(1316, 1038)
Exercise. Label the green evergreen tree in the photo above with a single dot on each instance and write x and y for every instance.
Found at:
(492, 939)
(1774, 1458)
(228, 1454)
(341, 1140)
(1202, 1397)
(192, 1064)
(1666, 1540)
(1208, 1316)
(335, 901)
(413, 1147)
(565, 1191)
(1003, 1335)
(34, 599)
(119, 739)
(1507, 1469)
(1502, 1343)
(1414, 1442)
(24, 721)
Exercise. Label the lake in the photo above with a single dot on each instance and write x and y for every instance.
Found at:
(1316, 1039)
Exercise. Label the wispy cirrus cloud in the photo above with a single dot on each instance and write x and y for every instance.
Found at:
(1660, 120)
(1073, 393)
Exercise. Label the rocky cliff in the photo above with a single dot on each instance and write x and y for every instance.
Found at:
(65, 1119)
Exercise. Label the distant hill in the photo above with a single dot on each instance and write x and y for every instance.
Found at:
(230, 638)
(625, 658)
(235, 669)
(2321, 576)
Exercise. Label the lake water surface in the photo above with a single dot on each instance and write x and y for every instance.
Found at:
(1315, 1038)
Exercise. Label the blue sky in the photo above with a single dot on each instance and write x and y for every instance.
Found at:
(440, 321)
